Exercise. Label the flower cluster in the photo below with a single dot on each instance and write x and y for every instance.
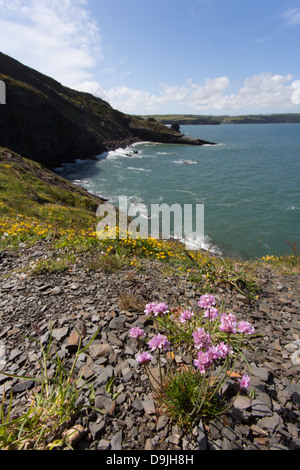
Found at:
(244, 381)
(246, 328)
(137, 332)
(230, 325)
(156, 308)
(206, 301)
(149, 247)
(211, 313)
(205, 358)
(205, 330)
(202, 340)
(144, 357)
(160, 342)
(211, 339)
(186, 315)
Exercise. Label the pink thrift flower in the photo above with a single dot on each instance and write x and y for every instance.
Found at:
(244, 381)
(212, 313)
(223, 350)
(156, 308)
(150, 308)
(137, 332)
(159, 342)
(228, 323)
(202, 339)
(161, 308)
(245, 327)
(213, 352)
(203, 361)
(186, 315)
(206, 300)
(144, 357)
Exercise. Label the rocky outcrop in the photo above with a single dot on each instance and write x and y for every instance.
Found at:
(52, 124)
(168, 138)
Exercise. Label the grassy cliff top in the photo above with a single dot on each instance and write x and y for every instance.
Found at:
(34, 202)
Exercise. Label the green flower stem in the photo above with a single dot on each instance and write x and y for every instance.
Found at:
(160, 371)
(202, 394)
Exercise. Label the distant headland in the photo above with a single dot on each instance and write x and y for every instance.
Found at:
(195, 119)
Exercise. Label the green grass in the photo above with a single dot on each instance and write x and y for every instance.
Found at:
(51, 266)
(36, 204)
(105, 262)
(25, 187)
(50, 409)
(180, 397)
(285, 264)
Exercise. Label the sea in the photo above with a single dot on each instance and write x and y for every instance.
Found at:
(248, 184)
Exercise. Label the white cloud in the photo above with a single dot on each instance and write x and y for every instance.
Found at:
(56, 37)
(296, 92)
(61, 39)
(125, 99)
(261, 91)
(210, 94)
(292, 17)
(258, 93)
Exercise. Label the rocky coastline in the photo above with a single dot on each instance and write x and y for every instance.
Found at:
(130, 420)
(51, 124)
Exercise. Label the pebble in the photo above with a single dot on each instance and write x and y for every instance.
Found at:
(85, 302)
(75, 434)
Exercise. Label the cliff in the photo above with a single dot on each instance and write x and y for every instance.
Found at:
(52, 124)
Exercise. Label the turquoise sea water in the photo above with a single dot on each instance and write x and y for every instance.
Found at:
(249, 183)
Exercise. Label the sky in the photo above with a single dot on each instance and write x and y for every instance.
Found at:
(208, 57)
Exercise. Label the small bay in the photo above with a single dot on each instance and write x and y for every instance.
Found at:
(249, 183)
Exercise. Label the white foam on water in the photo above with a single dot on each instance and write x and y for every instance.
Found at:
(139, 169)
(120, 153)
(141, 210)
(212, 145)
(201, 243)
(186, 162)
(82, 182)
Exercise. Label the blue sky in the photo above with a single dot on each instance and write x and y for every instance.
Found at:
(164, 56)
